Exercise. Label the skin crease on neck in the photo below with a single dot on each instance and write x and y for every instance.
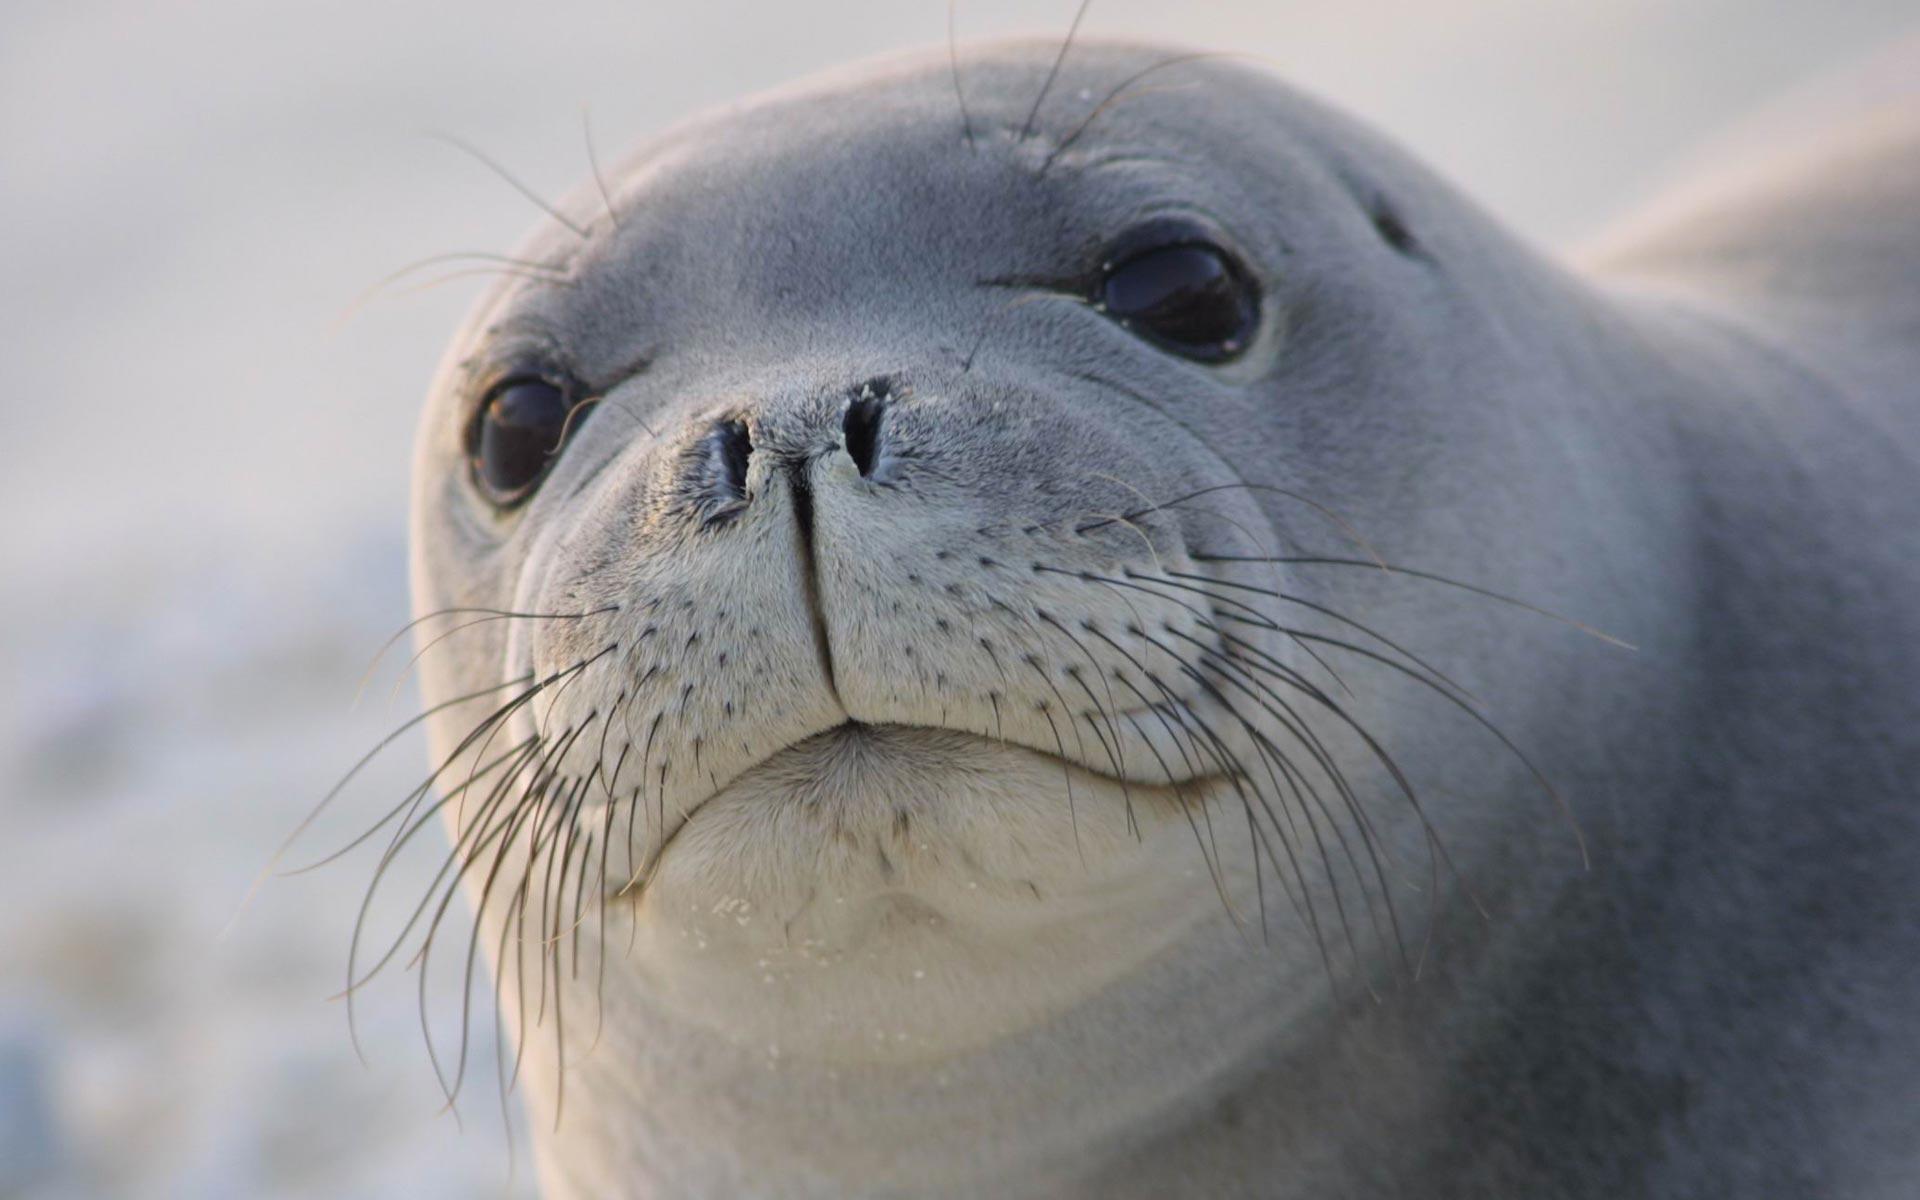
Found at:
(948, 743)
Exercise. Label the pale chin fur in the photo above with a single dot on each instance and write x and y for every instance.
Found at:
(894, 893)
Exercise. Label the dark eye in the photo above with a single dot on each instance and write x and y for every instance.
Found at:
(1190, 298)
(516, 436)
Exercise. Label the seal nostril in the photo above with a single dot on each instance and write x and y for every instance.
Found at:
(729, 446)
(862, 429)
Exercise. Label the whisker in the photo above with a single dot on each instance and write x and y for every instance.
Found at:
(1436, 846)
(1398, 569)
(355, 980)
(511, 179)
(502, 263)
(959, 93)
(1345, 526)
(439, 281)
(490, 722)
(593, 162)
(1118, 761)
(1305, 902)
(1539, 776)
(1120, 89)
(516, 821)
(1139, 585)
(1186, 805)
(422, 958)
(506, 830)
(1323, 610)
(1053, 73)
(1267, 698)
(500, 613)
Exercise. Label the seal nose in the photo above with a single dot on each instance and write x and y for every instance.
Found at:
(789, 435)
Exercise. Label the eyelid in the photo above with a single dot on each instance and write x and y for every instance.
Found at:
(1169, 227)
(515, 371)
(517, 347)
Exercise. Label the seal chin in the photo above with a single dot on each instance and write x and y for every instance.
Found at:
(837, 876)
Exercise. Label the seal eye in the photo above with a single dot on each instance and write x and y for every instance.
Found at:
(1189, 298)
(516, 436)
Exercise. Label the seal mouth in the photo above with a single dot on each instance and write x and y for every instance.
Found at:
(874, 733)
(880, 740)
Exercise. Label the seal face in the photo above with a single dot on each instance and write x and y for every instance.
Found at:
(926, 568)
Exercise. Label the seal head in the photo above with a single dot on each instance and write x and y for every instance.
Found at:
(934, 563)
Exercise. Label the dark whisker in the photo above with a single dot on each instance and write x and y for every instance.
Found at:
(1295, 723)
(1115, 754)
(511, 179)
(1032, 662)
(959, 93)
(489, 723)
(519, 756)
(1323, 610)
(1302, 733)
(1186, 805)
(1303, 790)
(528, 808)
(1345, 526)
(504, 831)
(1026, 129)
(1119, 89)
(1539, 776)
(593, 162)
(1398, 569)
(1435, 844)
(496, 264)
(1256, 617)
(1305, 903)
(501, 613)
(354, 979)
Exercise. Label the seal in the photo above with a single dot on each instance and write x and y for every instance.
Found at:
(1053, 623)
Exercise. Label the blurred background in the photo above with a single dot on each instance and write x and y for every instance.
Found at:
(205, 495)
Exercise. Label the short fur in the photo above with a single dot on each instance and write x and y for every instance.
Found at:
(943, 877)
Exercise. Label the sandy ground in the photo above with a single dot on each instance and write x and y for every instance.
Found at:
(205, 481)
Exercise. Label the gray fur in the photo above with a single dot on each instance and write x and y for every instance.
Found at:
(1704, 443)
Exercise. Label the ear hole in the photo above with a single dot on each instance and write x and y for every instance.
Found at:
(1393, 231)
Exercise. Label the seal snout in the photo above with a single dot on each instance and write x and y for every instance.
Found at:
(981, 556)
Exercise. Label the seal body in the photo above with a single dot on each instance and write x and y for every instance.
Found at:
(936, 723)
